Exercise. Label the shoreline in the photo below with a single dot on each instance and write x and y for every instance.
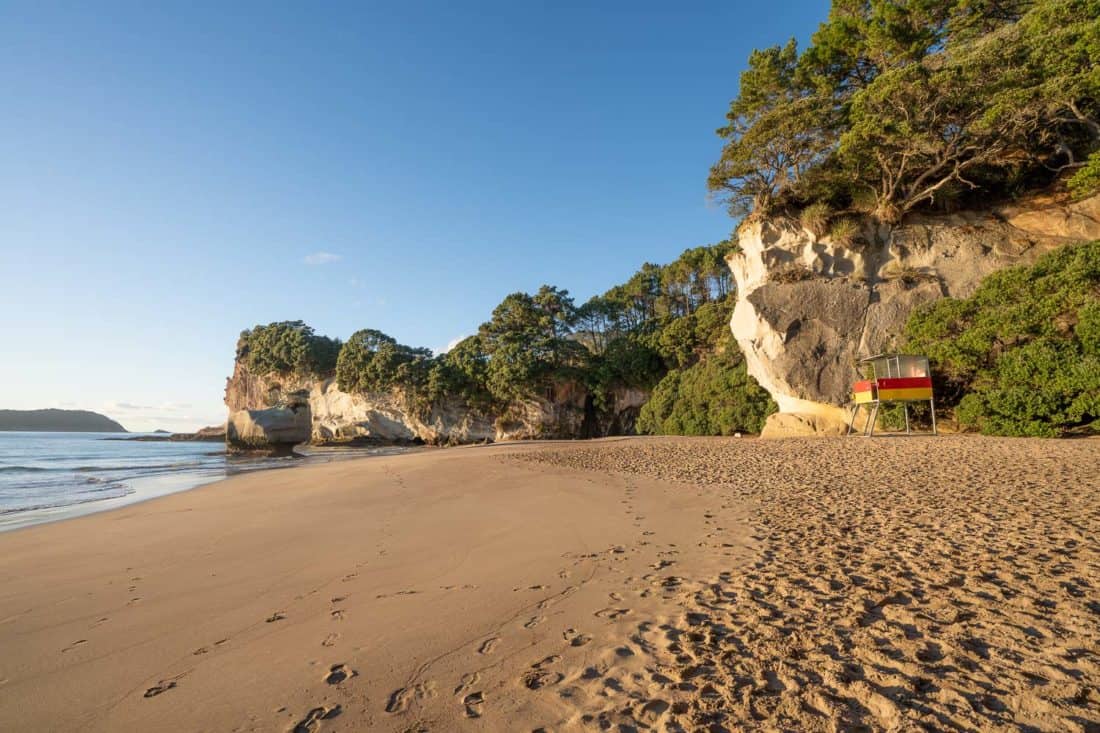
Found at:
(144, 487)
(664, 582)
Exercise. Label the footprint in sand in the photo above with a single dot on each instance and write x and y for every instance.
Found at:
(337, 614)
(338, 673)
(277, 616)
(488, 645)
(162, 686)
(312, 721)
(576, 638)
(539, 676)
(611, 614)
(473, 703)
(74, 645)
(330, 640)
(468, 680)
(533, 622)
(401, 698)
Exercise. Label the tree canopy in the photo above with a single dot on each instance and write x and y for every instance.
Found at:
(371, 361)
(905, 104)
(287, 347)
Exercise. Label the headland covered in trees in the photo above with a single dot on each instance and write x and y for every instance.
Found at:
(58, 421)
(665, 331)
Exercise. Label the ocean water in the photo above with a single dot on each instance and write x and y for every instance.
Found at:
(49, 476)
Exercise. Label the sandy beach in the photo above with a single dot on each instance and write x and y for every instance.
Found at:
(947, 583)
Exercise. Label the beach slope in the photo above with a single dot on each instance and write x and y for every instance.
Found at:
(668, 584)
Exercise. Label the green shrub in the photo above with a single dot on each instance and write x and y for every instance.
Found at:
(1022, 355)
(1086, 181)
(815, 218)
(715, 396)
(844, 232)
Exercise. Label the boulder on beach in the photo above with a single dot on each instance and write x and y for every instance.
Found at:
(801, 424)
(275, 429)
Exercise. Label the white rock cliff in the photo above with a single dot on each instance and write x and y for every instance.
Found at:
(808, 308)
(335, 416)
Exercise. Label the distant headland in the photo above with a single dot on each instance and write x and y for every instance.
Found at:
(61, 421)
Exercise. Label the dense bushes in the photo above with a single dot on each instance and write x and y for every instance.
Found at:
(1022, 355)
(714, 396)
(706, 390)
(287, 347)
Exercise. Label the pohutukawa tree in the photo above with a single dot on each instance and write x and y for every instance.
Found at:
(903, 104)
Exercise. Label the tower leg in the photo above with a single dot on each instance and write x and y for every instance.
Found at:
(905, 409)
(852, 420)
(871, 421)
(932, 402)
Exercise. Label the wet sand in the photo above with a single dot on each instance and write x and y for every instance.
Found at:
(945, 583)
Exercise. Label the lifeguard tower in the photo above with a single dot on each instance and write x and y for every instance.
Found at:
(900, 378)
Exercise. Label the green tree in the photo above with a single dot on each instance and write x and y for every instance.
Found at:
(527, 342)
(371, 361)
(776, 131)
(917, 103)
(287, 347)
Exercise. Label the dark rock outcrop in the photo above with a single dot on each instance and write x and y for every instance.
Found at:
(210, 434)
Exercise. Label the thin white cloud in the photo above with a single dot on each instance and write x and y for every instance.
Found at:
(451, 344)
(127, 406)
(321, 258)
(130, 406)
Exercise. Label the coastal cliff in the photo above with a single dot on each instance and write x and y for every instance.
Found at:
(809, 306)
(388, 417)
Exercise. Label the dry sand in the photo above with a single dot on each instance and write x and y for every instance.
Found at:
(668, 584)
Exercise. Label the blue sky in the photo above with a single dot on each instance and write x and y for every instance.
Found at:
(173, 174)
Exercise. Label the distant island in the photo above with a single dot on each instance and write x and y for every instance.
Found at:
(58, 421)
(209, 434)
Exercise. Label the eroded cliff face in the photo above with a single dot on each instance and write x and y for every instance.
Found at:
(808, 308)
(335, 416)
